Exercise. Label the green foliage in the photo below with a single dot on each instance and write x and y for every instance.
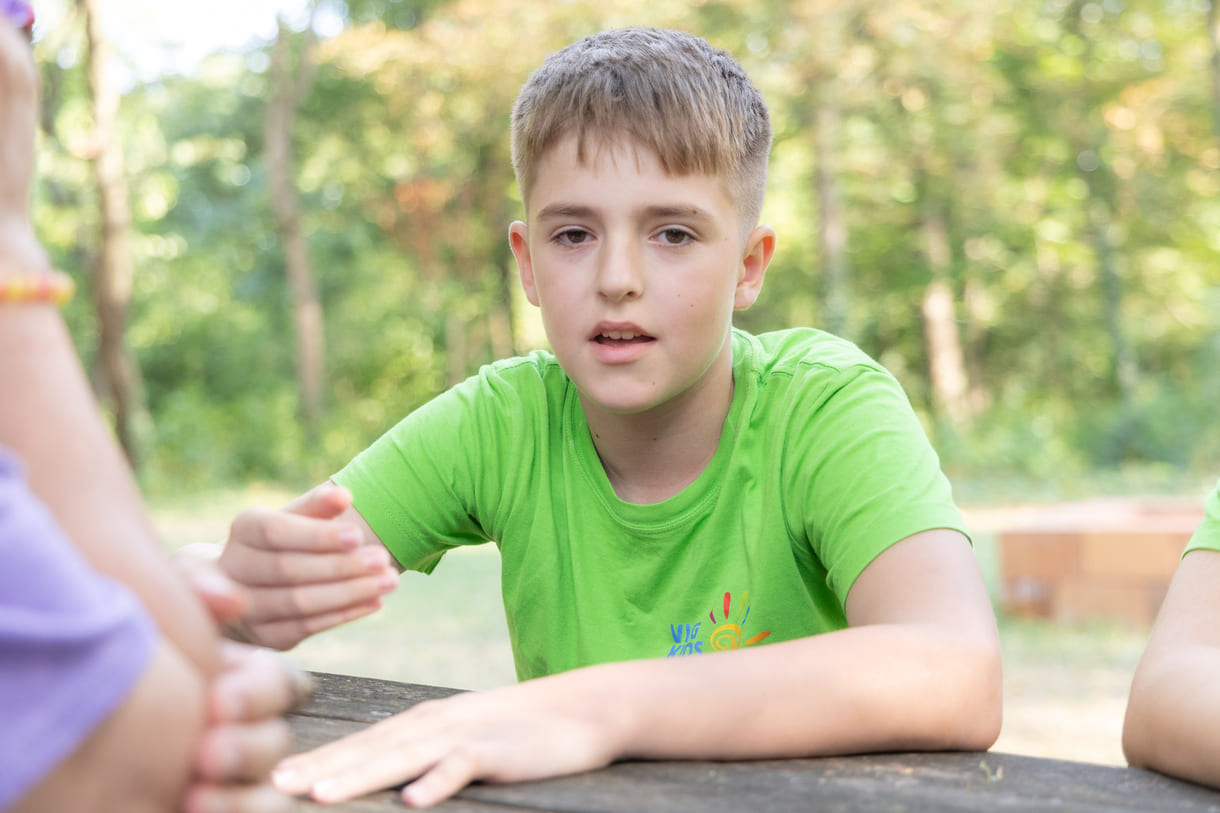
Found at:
(1042, 132)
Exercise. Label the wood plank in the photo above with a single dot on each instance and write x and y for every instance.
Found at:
(911, 783)
(365, 700)
(388, 800)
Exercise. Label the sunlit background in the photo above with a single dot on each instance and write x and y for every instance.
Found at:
(1015, 206)
(153, 39)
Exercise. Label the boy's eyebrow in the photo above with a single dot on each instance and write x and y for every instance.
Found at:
(579, 210)
(565, 210)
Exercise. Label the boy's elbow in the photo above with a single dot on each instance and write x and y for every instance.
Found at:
(1134, 742)
(981, 709)
(1140, 723)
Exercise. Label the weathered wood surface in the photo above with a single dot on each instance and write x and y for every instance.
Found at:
(897, 783)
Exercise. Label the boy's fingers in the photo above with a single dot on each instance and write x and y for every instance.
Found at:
(273, 529)
(385, 754)
(366, 771)
(447, 777)
(287, 634)
(274, 569)
(326, 501)
(286, 603)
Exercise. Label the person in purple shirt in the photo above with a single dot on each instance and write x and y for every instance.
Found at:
(115, 691)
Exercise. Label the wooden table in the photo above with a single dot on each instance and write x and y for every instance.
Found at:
(911, 783)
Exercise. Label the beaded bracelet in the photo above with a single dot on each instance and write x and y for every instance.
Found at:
(54, 287)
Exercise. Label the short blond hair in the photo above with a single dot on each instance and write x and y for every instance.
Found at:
(670, 91)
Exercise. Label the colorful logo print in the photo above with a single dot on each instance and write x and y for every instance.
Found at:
(727, 633)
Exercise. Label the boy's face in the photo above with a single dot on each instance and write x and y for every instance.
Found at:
(637, 273)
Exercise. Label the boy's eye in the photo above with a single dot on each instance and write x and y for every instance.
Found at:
(675, 237)
(572, 237)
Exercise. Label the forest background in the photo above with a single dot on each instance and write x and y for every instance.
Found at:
(1012, 205)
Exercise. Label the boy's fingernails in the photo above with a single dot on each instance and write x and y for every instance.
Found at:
(349, 538)
(286, 780)
(388, 581)
(327, 790)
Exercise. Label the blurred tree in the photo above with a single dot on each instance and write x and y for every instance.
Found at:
(949, 183)
(291, 80)
(118, 374)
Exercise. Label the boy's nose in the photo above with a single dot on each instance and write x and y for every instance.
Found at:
(618, 273)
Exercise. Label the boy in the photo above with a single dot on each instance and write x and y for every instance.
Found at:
(1173, 714)
(661, 485)
(114, 691)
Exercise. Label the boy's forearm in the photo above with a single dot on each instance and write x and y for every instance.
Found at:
(862, 689)
(1173, 715)
(49, 418)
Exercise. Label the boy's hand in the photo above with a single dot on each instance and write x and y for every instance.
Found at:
(306, 568)
(532, 730)
(245, 736)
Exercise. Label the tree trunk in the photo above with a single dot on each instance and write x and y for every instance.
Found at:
(1123, 365)
(118, 377)
(946, 362)
(1099, 208)
(288, 89)
(832, 225)
(500, 329)
(975, 301)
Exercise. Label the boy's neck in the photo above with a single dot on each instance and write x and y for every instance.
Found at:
(650, 457)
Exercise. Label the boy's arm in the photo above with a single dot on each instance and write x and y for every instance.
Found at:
(1173, 715)
(919, 668)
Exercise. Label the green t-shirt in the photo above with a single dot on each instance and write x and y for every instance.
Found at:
(821, 466)
(1207, 535)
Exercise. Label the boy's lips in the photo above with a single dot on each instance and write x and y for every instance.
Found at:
(619, 342)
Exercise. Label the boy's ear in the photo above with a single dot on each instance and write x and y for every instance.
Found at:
(519, 241)
(760, 247)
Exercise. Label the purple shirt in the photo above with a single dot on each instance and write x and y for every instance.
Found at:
(72, 643)
(18, 12)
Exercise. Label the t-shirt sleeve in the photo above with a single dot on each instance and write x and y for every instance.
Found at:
(1207, 535)
(73, 643)
(430, 483)
(864, 473)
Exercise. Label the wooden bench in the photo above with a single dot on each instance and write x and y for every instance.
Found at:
(912, 783)
(1105, 559)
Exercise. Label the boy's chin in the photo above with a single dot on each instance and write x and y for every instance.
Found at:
(617, 402)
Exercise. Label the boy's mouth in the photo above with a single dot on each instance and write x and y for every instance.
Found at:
(619, 337)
